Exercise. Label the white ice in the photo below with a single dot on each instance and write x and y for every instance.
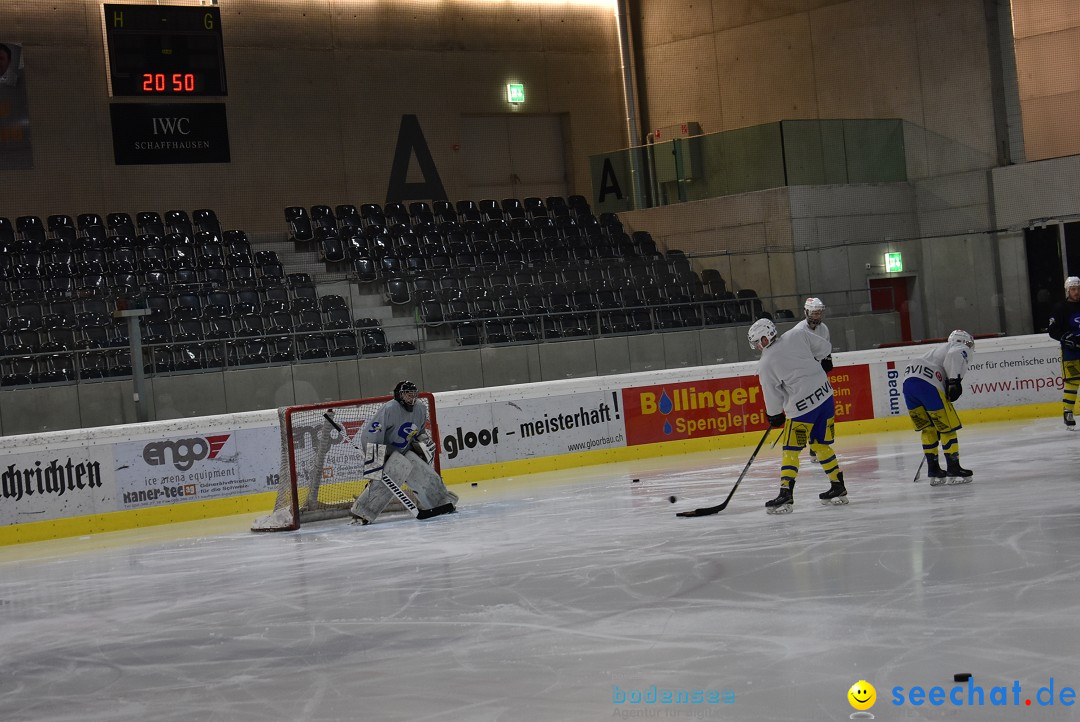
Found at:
(546, 593)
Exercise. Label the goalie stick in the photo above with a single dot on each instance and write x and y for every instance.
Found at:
(707, 510)
(390, 484)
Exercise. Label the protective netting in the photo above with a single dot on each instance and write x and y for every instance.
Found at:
(321, 473)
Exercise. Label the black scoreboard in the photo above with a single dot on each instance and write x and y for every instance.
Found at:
(165, 50)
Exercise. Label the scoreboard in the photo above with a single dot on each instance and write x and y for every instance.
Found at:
(164, 50)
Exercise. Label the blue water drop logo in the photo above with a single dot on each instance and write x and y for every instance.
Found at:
(667, 428)
(665, 405)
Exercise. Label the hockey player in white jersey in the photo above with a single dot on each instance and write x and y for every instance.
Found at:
(931, 384)
(814, 322)
(798, 398)
(400, 425)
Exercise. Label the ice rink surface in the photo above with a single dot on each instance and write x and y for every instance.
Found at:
(547, 597)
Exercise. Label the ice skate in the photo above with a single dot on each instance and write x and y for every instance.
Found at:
(813, 457)
(1070, 422)
(357, 519)
(956, 473)
(782, 504)
(837, 493)
(934, 472)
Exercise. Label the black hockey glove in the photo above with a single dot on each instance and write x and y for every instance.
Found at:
(826, 364)
(776, 420)
(1070, 340)
(953, 389)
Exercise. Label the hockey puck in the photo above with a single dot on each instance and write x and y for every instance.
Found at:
(635, 481)
(474, 483)
(961, 677)
(672, 499)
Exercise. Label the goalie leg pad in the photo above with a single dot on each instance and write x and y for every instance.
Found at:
(408, 468)
(373, 501)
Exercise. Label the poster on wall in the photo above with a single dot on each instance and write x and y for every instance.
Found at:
(528, 428)
(196, 467)
(16, 152)
(56, 483)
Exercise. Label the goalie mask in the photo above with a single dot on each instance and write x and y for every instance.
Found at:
(405, 394)
(762, 328)
(814, 308)
(963, 337)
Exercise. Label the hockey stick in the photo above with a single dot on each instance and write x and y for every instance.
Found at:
(919, 470)
(393, 487)
(706, 511)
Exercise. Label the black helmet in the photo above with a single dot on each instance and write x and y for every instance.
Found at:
(402, 388)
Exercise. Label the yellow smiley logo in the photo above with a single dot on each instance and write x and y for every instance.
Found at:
(862, 695)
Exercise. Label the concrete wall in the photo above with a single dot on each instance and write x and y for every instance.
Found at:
(316, 95)
(182, 395)
(734, 64)
(1047, 40)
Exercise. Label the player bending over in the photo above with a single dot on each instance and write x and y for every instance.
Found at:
(794, 383)
(931, 385)
(401, 426)
(1065, 329)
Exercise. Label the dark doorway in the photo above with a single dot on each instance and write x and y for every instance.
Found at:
(1045, 278)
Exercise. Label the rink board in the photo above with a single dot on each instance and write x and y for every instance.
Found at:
(93, 480)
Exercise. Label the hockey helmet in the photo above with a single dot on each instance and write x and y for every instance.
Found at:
(762, 328)
(963, 337)
(403, 388)
(1072, 282)
(814, 309)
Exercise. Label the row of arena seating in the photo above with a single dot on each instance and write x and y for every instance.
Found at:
(305, 227)
(58, 364)
(485, 239)
(89, 230)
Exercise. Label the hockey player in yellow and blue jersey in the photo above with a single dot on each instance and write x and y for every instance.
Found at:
(931, 384)
(1065, 329)
(794, 383)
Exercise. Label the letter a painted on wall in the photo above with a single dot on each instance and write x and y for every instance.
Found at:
(609, 182)
(411, 140)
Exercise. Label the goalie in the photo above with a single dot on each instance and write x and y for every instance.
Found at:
(401, 426)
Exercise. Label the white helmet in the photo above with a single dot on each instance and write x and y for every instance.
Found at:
(814, 310)
(1072, 282)
(963, 337)
(762, 328)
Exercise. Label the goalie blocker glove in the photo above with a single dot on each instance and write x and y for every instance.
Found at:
(776, 420)
(954, 388)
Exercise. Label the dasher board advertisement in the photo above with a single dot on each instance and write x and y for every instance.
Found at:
(196, 467)
(526, 428)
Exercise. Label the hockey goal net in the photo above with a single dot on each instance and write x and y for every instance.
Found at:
(321, 472)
